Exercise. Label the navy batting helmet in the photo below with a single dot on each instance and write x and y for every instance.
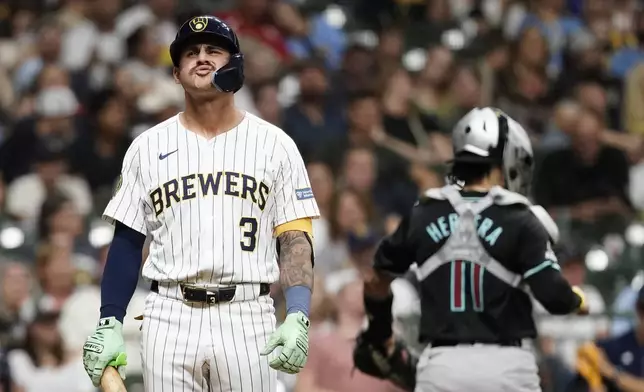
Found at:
(202, 29)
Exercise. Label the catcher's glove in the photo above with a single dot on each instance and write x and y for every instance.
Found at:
(399, 367)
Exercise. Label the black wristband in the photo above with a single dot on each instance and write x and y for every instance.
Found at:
(380, 318)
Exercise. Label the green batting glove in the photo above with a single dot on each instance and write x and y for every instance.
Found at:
(293, 336)
(105, 348)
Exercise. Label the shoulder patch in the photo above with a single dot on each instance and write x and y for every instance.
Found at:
(304, 193)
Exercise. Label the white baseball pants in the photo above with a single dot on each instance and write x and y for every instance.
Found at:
(207, 348)
(480, 368)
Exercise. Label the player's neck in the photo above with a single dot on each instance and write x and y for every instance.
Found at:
(480, 186)
(211, 118)
(485, 184)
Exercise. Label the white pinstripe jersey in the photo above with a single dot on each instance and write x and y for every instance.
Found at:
(210, 206)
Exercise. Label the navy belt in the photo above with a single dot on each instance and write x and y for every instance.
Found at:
(210, 296)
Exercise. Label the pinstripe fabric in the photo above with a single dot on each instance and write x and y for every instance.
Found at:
(218, 349)
(210, 207)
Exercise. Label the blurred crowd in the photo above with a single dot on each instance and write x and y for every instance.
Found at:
(369, 91)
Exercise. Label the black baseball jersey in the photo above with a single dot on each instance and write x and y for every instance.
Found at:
(460, 299)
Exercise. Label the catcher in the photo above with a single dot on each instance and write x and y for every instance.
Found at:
(479, 246)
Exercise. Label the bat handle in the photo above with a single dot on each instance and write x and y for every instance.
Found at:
(111, 380)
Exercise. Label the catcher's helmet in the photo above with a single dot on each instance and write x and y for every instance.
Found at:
(489, 135)
(228, 78)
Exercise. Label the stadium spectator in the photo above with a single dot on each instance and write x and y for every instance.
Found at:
(314, 119)
(523, 86)
(47, 52)
(60, 222)
(591, 178)
(431, 88)
(613, 364)
(358, 72)
(253, 21)
(56, 275)
(548, 16)
(42, 363)
(17, 285)
(310, 37)
(359, 172)
(97, 155)
(323, 186)
(50, 120)
(349, 212)
(27, 193)
(266, 100)
(95, 40)
(368, 89)
(432, 22)
(160, 14)
(144, 53)
(569, 332)
(330, 363)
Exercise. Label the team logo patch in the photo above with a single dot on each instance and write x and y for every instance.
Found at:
(304, 193)
(198, 24)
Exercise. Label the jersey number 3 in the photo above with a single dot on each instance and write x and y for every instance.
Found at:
(458, 291)
(249, 233)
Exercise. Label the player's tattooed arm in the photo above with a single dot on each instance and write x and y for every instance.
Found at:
(295, 259)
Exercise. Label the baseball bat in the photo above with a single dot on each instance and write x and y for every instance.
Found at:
(111, 380)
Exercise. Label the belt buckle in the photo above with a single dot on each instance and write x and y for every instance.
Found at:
(211, 296)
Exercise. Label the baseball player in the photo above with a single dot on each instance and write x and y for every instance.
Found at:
(227, 202)
(479, 247)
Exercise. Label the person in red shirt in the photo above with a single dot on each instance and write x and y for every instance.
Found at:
(252, 20)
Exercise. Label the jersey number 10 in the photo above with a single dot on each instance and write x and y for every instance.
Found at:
(460, 269)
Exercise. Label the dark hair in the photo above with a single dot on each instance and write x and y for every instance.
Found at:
(470, 172)
(101, 99)
(359, 96)
(52, 204)
(133, 41)
(334, 227)
(30, 346)
(48, 22)
(258, 87)
(515, 47)
(311, 63)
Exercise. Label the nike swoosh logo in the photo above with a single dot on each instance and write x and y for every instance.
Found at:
(164, 156)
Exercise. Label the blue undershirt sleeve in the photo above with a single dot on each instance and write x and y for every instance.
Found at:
(121, 273)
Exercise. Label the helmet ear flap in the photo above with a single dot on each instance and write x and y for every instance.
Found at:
(230, 77)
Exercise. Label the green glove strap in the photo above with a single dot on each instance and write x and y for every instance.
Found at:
(105, 348)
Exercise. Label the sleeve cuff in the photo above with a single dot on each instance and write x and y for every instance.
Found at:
(302, 224)
(138, 227)
(541, 267)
